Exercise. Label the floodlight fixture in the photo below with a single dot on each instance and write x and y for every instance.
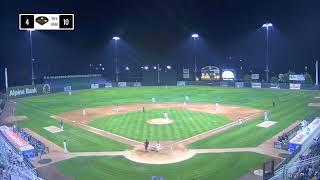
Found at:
(195, 35)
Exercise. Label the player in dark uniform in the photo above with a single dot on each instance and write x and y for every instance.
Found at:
(146, 144)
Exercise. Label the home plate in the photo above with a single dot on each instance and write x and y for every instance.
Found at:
(53, 129)
(266, 124)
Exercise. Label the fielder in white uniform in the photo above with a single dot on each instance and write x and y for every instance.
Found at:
(187, 98)
(153, 100)
(217, 106)
(65, 146)
(266, 118)
(157, 146)
(84, 112)
(165, 114)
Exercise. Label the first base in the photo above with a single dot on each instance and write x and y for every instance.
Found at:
(266, 124)
(53, 129)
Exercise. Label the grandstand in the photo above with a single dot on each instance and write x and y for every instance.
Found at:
(303, 163)
(13, 165)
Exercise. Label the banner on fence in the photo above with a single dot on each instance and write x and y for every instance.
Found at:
(181, 83)
(24, 91)
(122, 84)
(295, 86)
(239, 84)
(254, 76)
(137, 84)
(108, 85)
(67, 89)
(223, 84)
(274, 86)
(94, 86)
(296, 77)
(256, 85)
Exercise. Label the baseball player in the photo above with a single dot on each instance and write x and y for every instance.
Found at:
(84, 112)
(157, 146)
(165, 114)
(187, 98)
(217, 106)
(153, 100)
(146, 144)
(61, 124)
(240, 122)
(266, 118)
(65, 146)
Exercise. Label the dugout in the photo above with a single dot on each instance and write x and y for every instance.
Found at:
(159, 78)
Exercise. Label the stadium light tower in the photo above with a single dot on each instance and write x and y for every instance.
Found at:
(116, 38)
(195, 36)
(267, 26)
(31, 56)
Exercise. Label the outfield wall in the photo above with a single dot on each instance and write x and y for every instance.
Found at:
(43, 89)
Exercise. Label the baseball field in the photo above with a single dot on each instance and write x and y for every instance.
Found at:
(199, 140)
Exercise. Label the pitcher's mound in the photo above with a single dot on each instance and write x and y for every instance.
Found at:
(169, 153)
(159, 121)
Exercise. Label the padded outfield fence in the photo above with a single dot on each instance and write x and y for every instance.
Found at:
(43, 89)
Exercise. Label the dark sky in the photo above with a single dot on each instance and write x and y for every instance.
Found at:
(158, 31)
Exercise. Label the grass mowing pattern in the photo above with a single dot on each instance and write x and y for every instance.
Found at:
(290, 106)
(77, 139)
(186, 124)
(201, 167)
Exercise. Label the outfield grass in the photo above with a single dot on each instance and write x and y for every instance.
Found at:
(186, 124)
(201, 167)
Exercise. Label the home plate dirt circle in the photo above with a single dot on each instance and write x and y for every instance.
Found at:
(168, 154)
(160, 121)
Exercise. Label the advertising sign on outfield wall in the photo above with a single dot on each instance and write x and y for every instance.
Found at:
(274, 86)
(94, 86)
(223, 84)
(254, 76)
(296, 77)
(181, 83)
(137, 84)
(295, 86)
(122, 84)
(108, 85)
(24, 91)
(239, 84)
(256, 85)
(67, 89)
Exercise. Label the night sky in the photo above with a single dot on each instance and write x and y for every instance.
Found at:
(158, 31)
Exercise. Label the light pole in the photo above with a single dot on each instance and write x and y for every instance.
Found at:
(195, 36)
(267, 26)
(116, 38)
(31, 57)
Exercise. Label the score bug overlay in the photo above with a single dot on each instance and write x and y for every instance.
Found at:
(46, 21)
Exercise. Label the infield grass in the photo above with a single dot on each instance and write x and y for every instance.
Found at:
(185, 124)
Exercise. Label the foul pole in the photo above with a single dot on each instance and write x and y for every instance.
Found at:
(6, 78)
(317, 75)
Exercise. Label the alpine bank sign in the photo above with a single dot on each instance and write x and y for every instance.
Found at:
(22, 92)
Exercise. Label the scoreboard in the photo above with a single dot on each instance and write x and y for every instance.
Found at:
(46, 21)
